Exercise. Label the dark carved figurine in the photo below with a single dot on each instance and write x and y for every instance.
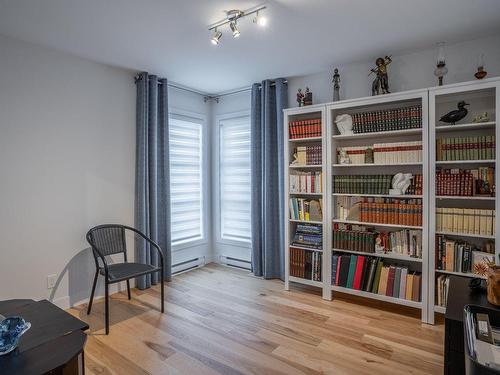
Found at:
(300, 97)
(381, 81)
(336, 85)
(308, 97)
(456, 115)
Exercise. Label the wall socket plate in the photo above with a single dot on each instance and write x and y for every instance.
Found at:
(51, 281)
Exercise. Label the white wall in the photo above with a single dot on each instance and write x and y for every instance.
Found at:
(67, 163)
(412, 70)
(234, 103)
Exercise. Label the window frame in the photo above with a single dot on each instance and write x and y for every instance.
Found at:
(218, 181)
(176, 113)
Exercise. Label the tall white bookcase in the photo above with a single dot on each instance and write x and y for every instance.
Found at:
(482, 95)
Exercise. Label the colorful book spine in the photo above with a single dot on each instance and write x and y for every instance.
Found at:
(388, 120)
(306, 182)
(480, 147)
(305, 264)
(465, 221)
(304, 129)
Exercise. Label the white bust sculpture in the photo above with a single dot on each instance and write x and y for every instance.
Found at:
(344, 124)
(400, 183)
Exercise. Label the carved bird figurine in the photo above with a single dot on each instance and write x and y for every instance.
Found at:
(456, 115)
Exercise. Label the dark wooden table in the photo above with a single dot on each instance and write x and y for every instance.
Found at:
(53, 345)
(459, 295)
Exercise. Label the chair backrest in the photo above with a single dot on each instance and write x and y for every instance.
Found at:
(107, 239)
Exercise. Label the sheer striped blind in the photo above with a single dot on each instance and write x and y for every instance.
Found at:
(186, 179)
(235, 178)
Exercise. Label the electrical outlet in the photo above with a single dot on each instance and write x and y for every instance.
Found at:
(51, 281)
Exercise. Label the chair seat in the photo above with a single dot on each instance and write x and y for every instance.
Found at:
(124, 271)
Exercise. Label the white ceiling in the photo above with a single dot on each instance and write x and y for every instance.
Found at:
(170, 38)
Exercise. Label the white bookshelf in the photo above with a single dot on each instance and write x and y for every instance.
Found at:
(375, 103)
(435, 102)
(482, 96)
(304, 113)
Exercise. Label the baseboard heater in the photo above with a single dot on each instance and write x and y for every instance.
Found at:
(188, 265)
(234, 262)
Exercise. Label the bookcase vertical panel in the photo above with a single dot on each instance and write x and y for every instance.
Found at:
(387, 133)
(460, 140)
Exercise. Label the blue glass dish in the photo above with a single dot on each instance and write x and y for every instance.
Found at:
(11, 330)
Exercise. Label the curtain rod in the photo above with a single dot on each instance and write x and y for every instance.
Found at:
(205, 95)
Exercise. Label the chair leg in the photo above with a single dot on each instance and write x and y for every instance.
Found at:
(128, 289)
(92, 292)
(162, 292)
(106, 306)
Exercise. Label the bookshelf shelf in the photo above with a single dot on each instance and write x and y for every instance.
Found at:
(306, 248)
(377, 165)
(393, 133)
(440, 309)
(305, 166)
(463, 274)
(387, 255)
(379, 297)
(311, 194)
(457, 162)
(307, 139)
(470, 126)
(300, 280)
(474, 197)
(377, 196)
(306, 221)
(468, 235)
(376, 224)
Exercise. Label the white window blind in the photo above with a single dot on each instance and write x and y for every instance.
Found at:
(235, 179)
(186, 179)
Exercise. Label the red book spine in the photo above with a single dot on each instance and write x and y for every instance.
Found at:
(358, 273)
(390, 281)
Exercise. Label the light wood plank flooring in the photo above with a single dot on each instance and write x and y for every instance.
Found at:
(220, 320)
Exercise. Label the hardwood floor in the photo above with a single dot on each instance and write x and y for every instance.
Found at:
(220, 320)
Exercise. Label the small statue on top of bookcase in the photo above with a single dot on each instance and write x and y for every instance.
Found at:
(304, 98)
(336, 85)
(381, 81)
(300, 97)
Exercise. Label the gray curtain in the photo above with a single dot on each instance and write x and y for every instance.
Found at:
(152, 184)
(267, 154)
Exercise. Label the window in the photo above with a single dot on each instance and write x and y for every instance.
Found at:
(234, 175)
(186, 179)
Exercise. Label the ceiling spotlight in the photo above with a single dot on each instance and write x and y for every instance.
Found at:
(234, 29)
(260, 20)
(216, 38)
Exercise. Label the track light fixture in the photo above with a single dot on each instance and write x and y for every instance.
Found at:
(234, 29)
(216, 38)
(232, 18)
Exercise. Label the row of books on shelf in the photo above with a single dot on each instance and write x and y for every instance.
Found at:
(387, 120)
(465, 220)
(405, 242)
(306, 209)
(306, 182)
(382, 153)
(461, 256)
(373, 275)
(308, 235)
(372, 184)
(362, 184)
(480, 147)
(305, 264)
(304, 128)
(442, 286)
(391, 211)
(307, 155)
(465, 182)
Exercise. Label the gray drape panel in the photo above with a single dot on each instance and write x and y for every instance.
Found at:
(267, 154)
(152, 184)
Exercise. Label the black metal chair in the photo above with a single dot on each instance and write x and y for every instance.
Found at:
(110, 239)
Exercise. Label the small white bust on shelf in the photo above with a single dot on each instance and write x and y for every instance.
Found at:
(400, 183)
(343, 157)
(344, 124)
